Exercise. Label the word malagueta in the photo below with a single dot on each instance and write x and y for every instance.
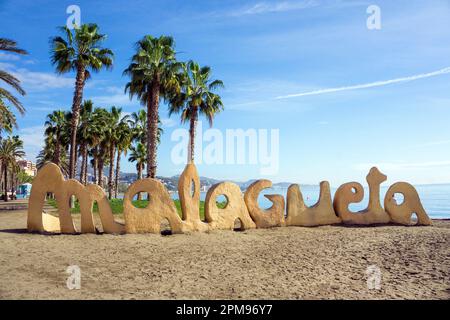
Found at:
(291, 211)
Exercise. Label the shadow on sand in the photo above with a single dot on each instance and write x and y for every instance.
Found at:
(18, 231)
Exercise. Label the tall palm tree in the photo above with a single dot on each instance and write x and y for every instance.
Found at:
(123, 142)
(11, 46)
(196, 97)
(10, 150)
(89, 132)
(81, 52)
(139, 155)
(56, 133)
(115, 120)
(154, 73)
(98, 121)
(100, 147)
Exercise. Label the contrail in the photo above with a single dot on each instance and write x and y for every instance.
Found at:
(368, 85)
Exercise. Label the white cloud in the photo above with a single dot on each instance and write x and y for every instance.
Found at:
(33, 140)
(6, 66)
(368, 85)
(245, 105)
(118, 100)
(115, 97)
(9, 57)
(42, 80)
(37, 81)
(270, 7)
(30, 62)
(114, 89)
(248, 94)
(168, 122)
(47, 109)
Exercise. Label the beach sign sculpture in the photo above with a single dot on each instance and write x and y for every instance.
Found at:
(238, 206)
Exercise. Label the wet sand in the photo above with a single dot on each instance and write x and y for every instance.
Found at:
(328, 262)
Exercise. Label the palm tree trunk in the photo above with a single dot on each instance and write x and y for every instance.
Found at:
(111, 170)
(116, 184)
(152, 128)
(100, 172)
(76, 105)
(76, 160)
(1, 172)
(192, 129)
(86, 156)
(13, 183)
(83, 163)
(139, 173)
(94, 164)
(57, 155)
(6, 182)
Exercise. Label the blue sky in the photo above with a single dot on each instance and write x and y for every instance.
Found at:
(264, 50)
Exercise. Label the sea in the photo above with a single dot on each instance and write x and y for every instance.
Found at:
(435, 198)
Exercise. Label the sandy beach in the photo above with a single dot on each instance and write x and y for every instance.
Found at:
(326, 262)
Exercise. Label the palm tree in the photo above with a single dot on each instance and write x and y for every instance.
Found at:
(93, 163)
(114, 121)
(196, 97)
(11, 46)
(97, 125)
(139, 155)
(154, 73)
(10, 150)
(56, 127)
(95, 160)
(23, 177)
(7, 119)
(138, 126)
(47, 154)
(123, 141)
(81, 52)
(100, 146)
(56, 141)
(89, 131)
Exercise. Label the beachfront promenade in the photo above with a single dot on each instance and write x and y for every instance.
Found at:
(22, 204)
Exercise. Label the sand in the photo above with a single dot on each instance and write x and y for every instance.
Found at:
(326, 262)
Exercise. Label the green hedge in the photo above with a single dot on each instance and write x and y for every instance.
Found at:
(117, 206)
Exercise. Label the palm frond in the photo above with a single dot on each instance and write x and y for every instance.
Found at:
(11, 46)
(12, 81)
(12, 99)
